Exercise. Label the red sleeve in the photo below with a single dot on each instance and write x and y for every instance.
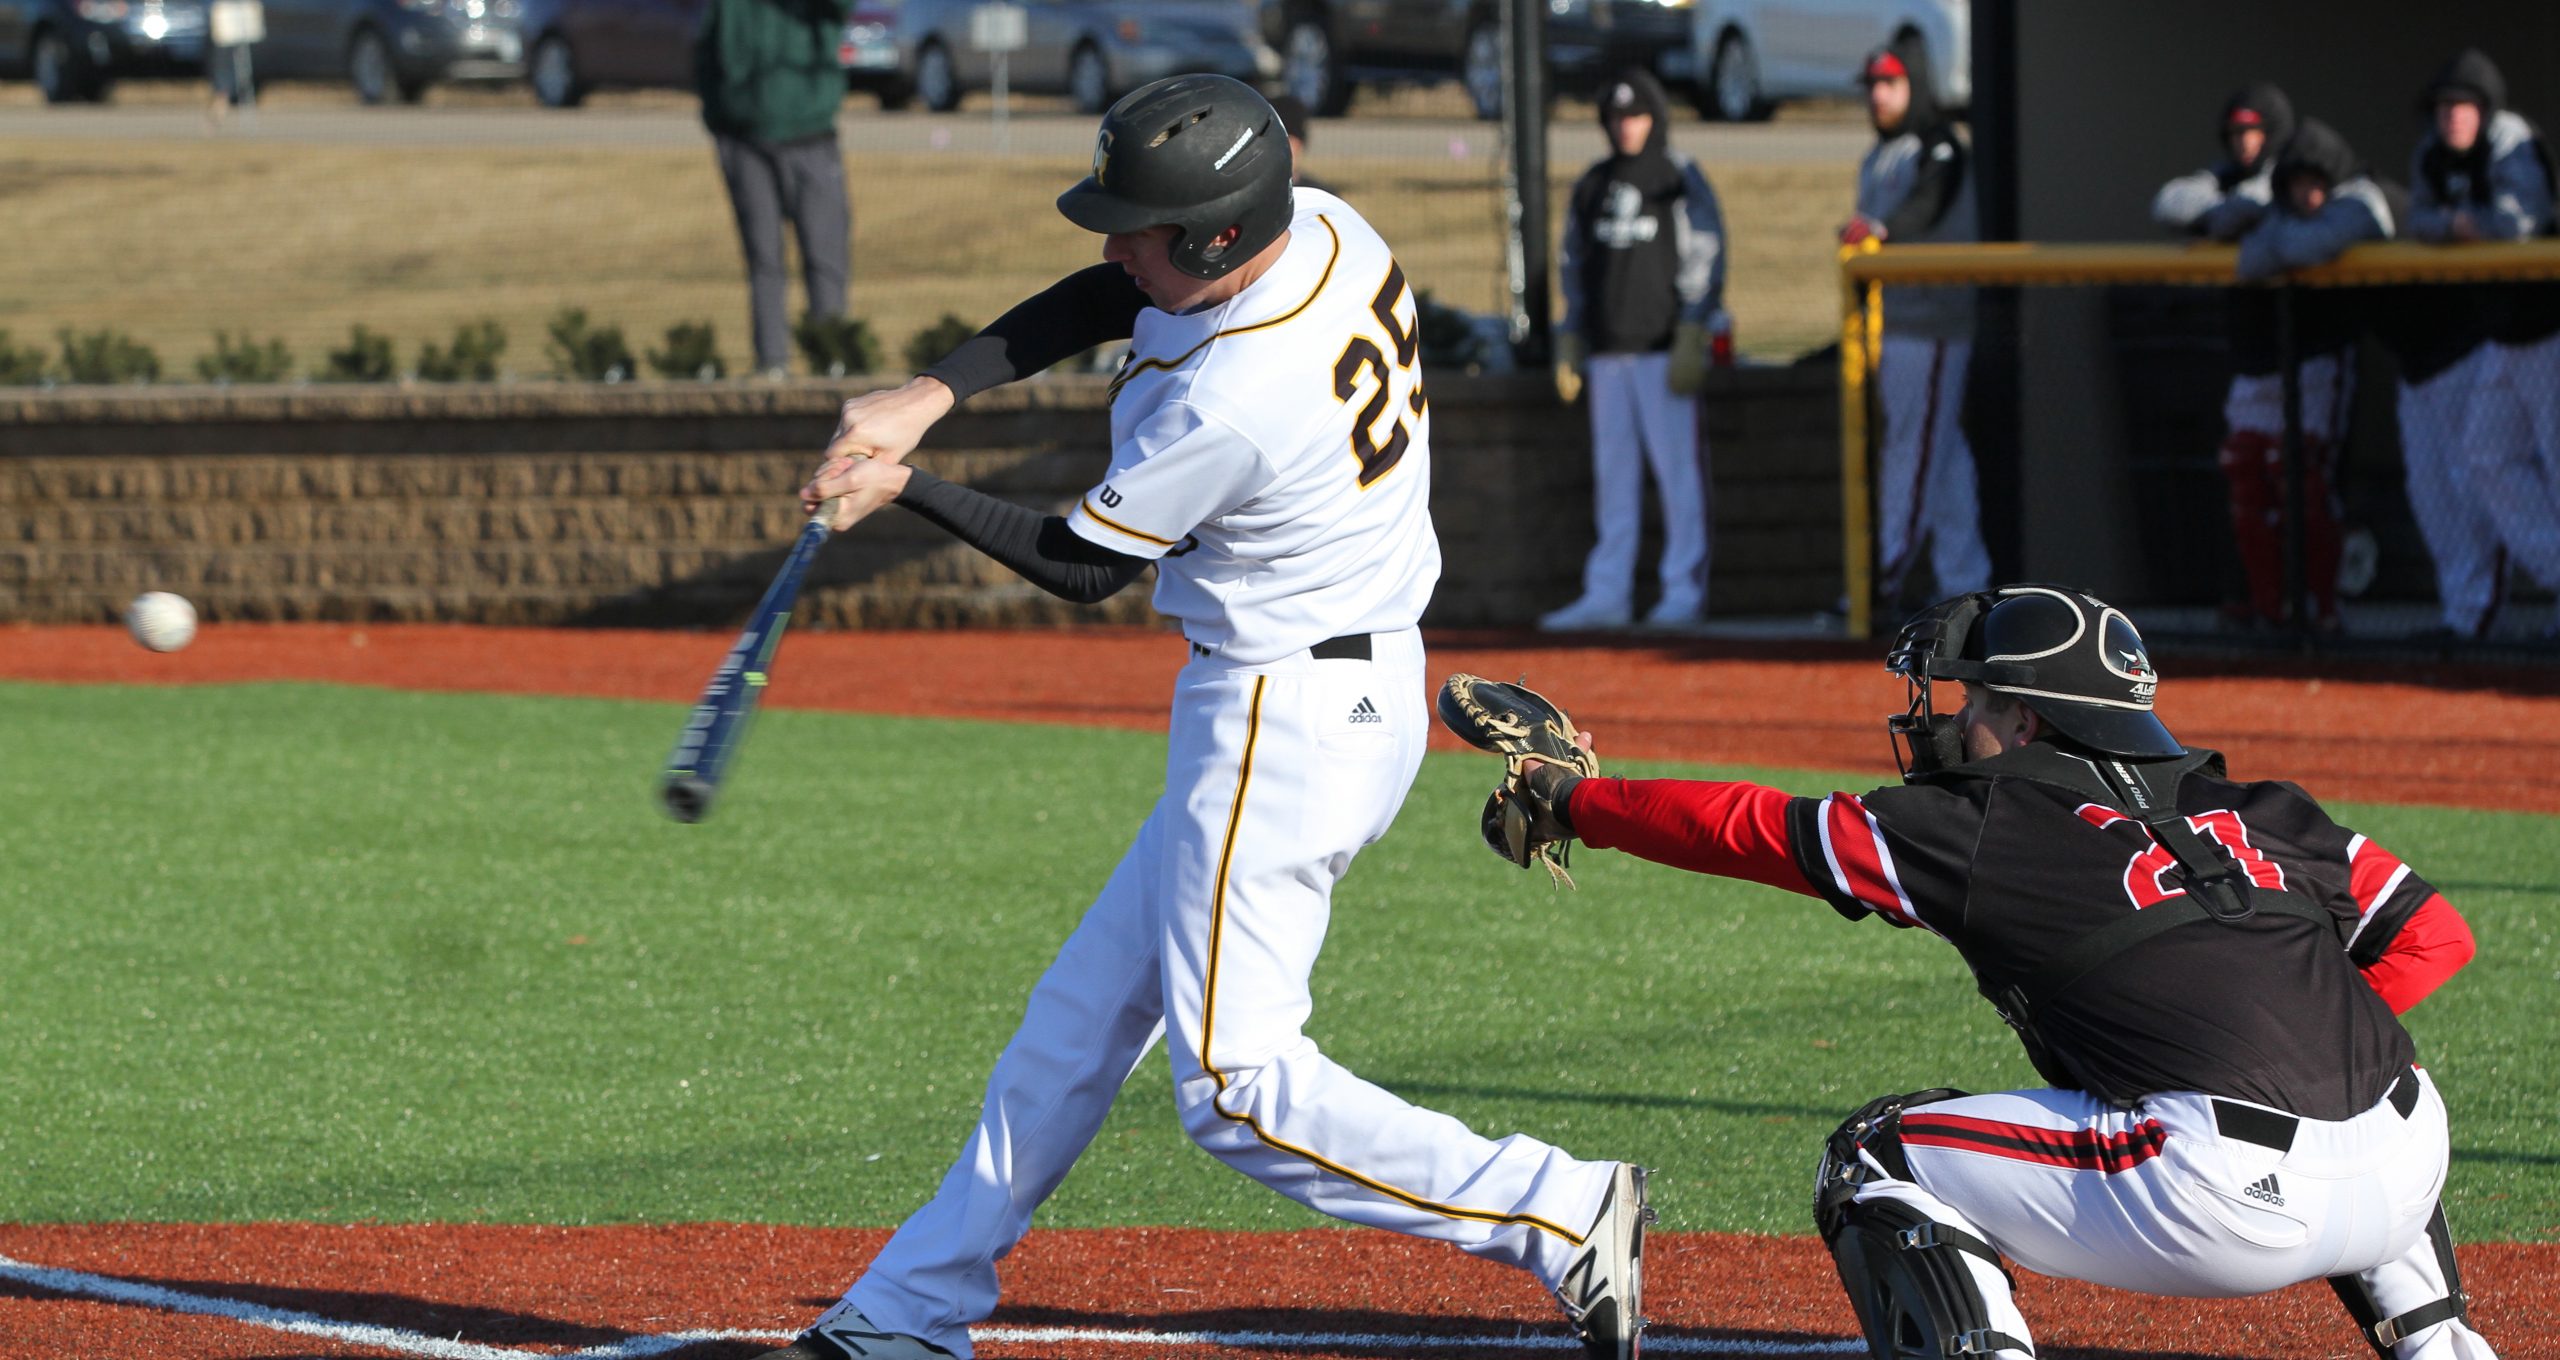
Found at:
(1733, 830)
(2432, 946)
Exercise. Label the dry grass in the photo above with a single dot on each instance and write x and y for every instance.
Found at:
(172, 241)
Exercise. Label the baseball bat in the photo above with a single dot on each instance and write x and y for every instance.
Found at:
(718, 725)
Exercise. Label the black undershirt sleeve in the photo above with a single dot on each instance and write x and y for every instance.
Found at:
(1039, 548)
(1086, 308)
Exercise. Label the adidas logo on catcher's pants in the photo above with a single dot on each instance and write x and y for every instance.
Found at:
(2266, 1189)
(1366, 712)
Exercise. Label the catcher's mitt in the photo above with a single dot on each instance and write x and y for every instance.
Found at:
(1520, 725)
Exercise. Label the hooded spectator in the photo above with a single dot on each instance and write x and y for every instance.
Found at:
(1915, 186)
(2480, 365)
(1643, 275)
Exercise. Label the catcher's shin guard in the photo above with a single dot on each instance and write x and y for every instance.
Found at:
(2383, 1333)
(1867, 1146)
(1913, 1291)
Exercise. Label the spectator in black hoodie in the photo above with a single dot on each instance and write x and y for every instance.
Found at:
(1915, 185)
(1643, 274)
(2221, 202)
(2323, 202)
(2480, 434)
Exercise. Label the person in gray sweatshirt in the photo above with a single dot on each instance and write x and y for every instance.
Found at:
(1915, 185)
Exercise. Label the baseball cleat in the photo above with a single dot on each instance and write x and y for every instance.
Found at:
(850, 1336)
(1603, 1288)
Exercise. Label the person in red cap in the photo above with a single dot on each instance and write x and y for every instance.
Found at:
(1914, 186)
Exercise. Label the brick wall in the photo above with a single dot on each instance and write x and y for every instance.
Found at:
(658, 504)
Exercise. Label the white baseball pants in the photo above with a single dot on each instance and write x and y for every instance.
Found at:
(1925, 490)
(1277, 776)
(2512, 451)
(2461, 537)
(2159, 1200)
(1636, 423)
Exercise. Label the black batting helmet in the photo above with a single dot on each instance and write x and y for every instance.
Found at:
(2068, 655)
(1197, 153)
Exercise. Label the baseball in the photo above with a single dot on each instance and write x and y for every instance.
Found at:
(161, 621)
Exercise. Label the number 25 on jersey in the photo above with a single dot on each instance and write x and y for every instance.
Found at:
(1379, 435)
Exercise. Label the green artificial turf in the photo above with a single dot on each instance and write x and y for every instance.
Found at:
(309, 952)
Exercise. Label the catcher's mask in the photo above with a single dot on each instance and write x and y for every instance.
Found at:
(2071, 657)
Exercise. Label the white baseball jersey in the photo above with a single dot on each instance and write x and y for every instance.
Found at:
(1273, 452)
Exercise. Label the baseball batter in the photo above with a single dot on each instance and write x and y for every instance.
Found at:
(1271, 458)
(2208, 973)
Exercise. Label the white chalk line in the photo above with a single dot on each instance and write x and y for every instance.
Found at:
(637, 1347)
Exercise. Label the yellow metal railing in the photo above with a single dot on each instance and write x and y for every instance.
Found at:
(1866, 268)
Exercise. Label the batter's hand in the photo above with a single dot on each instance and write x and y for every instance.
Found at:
(851, 488)
(887, 425)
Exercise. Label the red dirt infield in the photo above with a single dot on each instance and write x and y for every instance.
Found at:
(275, 1291)
(540, 1291)
(2369, 733)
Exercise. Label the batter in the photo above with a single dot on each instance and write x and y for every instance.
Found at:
(1271, 458)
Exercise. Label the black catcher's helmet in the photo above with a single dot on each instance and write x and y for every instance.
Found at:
(1201, 153)
(2068, 655)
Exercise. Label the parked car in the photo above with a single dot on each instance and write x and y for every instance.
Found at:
(870, 54)
(1751, 54)
(1089, 51)
(1330, 48)
(581, 46)
(390, 49)
(75, 50)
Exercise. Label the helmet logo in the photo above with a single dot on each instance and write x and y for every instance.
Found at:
(1241, 138)
(1102, 157)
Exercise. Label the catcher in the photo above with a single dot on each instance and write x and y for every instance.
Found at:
(2207, 972)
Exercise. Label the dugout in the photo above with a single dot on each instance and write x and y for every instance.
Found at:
(2080, 112)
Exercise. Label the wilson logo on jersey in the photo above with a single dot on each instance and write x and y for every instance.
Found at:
(1108, 497)
(2267, 1189)
(1366, 712)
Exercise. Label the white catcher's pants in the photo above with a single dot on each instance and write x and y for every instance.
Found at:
(1206, 933)
(2157, 1200)
(1925, 491)
(1637, 422)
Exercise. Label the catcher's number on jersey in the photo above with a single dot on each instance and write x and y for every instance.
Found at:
(1361, 356)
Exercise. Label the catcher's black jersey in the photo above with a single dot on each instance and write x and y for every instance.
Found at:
(2013, 858)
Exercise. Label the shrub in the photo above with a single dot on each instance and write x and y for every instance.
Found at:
(473, 357)
(366, 359)
(693, 351)
(1449, 336)
(580, 349)
(837, 346)
(245, 361)
(107, 357)
(926, 347)
(21, 365)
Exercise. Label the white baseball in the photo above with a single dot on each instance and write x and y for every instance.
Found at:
(161, 621)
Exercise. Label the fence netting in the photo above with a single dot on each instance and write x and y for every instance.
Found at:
(2367, 454)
